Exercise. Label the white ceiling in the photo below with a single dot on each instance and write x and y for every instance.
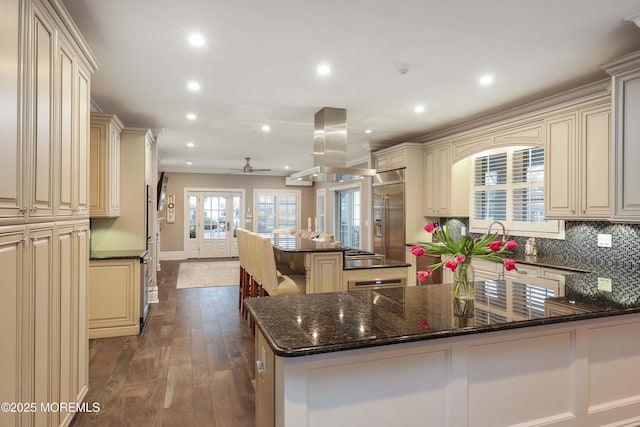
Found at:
(258, 67)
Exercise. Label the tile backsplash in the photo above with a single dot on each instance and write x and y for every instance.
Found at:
(581, 242)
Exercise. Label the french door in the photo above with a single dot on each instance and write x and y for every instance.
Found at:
(213, 217)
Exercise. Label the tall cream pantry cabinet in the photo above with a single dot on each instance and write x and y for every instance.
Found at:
(44, 243)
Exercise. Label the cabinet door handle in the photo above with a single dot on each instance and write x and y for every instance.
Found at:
(34, 209)
(23, 210)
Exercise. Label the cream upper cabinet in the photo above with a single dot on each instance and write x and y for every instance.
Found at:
(561, 165)
(577, 147)
(66, 80)
(40, 166)
(12, 139)
(392, 158)
(105, 165)
(625, 74)
(437, 167)
(44, 131)
(81, 142)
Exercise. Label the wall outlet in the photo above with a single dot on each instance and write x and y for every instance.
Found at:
(604, 284)
(604, 240)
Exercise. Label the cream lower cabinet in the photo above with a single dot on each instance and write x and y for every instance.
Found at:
(114, 297)
(577, 157)
(323, 271)
(16, 377)
(43, 313)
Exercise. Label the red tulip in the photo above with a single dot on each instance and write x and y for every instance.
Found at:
(495, 245)
(509, 264)
(417, 250)
(511, 244)
(429, 227)
(424, 275)
(452, 264)
(461, 258)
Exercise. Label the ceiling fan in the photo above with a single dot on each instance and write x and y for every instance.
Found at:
(250, 169)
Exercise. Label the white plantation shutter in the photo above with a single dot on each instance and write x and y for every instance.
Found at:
(527, 184)
(490, 187)
(508, 186)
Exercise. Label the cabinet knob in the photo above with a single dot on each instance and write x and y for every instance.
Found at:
(23, 210)
(34, 238)
(34, 209)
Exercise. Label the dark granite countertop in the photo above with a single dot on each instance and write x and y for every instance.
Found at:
(290, 243)
(118, 254)
(300, 325)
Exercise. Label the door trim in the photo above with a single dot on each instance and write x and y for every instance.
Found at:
(185, 210)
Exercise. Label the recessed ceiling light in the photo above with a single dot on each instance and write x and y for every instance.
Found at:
(189, 162)
(196, 40)
(486, 80)
(324, 69)
(190, 144)
(266, 128)
(368, 131)
(419, 109)
(287, 167)
(193, 86)
(191, 116)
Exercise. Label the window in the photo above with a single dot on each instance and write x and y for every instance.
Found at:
(348, 217)
(276, 209)
(321, 195)
(508, 186)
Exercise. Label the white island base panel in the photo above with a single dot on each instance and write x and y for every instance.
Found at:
(580, 373)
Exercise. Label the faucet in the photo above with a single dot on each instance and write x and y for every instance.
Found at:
(504, 230)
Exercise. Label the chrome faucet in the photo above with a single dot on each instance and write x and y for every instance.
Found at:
(504, 230)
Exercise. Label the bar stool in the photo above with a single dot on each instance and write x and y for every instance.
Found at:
(272, 283)
(244, 274)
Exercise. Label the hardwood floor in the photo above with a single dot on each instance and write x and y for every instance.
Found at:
(193, 365)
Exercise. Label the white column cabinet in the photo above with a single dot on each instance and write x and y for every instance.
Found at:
(625, 74)
(577, 152)
(105, 165)
(44, 129)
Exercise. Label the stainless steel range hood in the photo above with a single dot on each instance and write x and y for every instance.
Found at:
(330, 150)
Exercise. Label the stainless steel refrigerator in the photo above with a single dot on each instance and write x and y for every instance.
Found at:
(388, 215)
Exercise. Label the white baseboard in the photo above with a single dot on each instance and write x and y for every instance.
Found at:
(177, 255)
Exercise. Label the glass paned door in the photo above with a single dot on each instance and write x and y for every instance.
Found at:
(213, 218)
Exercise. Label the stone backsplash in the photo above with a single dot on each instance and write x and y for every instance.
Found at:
(580, 242)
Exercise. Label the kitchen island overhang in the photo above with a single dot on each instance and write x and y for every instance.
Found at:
(578, 369)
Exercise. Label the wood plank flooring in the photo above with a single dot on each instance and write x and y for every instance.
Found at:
(193, 365)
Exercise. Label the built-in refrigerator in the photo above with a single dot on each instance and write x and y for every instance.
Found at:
(388, 215)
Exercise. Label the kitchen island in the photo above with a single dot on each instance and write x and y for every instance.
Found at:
(328, 269)
(405, 357)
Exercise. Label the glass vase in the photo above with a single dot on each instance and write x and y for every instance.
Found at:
(463, 279)
(463, 293)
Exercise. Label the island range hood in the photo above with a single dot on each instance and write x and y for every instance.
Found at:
(330, 150)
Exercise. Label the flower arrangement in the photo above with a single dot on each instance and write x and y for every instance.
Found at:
(460, 253)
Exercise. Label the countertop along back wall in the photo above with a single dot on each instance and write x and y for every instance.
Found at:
(172, 235)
